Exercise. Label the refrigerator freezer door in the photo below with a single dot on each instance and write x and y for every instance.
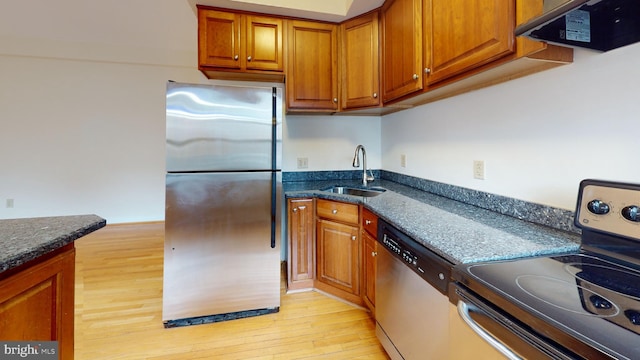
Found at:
(221, 128)
(218, 254)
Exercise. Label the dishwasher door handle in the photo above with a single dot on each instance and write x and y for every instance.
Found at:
(463, 310)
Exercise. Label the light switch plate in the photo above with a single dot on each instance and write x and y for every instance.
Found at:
(478, 169)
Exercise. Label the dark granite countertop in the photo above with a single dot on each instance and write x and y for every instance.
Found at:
(459, 232)
(23, 240)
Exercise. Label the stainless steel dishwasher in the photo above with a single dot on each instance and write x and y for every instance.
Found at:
(412, 307)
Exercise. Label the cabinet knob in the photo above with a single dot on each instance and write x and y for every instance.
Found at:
(415, 77)
(248, 58)
(236, 57)
(335, 100)
(367, 222)
(353, 237)
(427, 71)
(374, 254)
(334, 211)
(294, 210)
(375, 95)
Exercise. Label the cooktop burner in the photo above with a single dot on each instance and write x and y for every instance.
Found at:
(592, 299)
(566, 296)
(593, 296)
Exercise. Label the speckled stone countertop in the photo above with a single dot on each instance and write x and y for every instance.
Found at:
(23, 240)
(458, 232)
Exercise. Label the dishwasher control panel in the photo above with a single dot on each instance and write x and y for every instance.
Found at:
(396, 248)
(424, 262)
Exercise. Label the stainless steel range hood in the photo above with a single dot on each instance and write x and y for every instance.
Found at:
(601, 25)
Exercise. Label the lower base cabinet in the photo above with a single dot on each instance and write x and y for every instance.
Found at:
(338, 262)
(325, 250)
(37, 302)
(370, 247)
(301, 249)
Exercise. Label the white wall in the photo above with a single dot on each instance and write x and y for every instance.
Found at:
(82, 104)
(539, 135)
(329, 142)
(82, 108)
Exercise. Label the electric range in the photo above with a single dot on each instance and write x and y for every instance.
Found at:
(580, 305)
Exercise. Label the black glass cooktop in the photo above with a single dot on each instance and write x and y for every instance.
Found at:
(587, 297)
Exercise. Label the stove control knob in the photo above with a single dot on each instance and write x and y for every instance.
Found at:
(633, 316)
(598, 207)
(600, 302)
(631, 213)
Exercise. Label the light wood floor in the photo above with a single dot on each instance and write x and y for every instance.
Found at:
(119, 312)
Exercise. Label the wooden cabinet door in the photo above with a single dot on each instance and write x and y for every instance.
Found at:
(463, 34)
(219, 39)
(401, 48)
(369, 266)
(338, 255)
(360, 68)
(264, 47)
(37, 303)
(312, 70)
(301, 244)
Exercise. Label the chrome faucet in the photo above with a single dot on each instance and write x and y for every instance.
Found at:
(356, 163)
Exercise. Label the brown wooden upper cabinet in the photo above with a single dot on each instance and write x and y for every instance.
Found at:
(359, 56)
(401, 48)
(312, 70)
(229, 41)
(463, 34)
(407, 53)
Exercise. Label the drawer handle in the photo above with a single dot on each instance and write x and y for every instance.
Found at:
(334, 211)
(367, 222)
(463, 310)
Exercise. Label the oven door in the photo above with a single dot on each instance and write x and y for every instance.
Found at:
(503, 332)
(411, 315)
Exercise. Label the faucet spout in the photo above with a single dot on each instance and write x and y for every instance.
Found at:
(356, 163)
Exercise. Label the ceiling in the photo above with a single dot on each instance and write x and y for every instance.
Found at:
(326, 10)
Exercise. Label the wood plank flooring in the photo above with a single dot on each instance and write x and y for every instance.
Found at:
(118, 313)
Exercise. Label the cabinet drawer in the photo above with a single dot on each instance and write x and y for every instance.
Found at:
(370, 223)
(338, 211)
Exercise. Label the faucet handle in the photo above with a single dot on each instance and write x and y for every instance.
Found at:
(370, 176)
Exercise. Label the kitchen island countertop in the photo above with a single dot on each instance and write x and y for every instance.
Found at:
(23, 240)
(459, 232)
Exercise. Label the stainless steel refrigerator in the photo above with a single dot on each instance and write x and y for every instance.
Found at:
(223, 203)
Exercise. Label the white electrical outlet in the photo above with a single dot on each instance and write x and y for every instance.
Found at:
(403, 160)
(303, 163)
(9, 203)
(478, 169)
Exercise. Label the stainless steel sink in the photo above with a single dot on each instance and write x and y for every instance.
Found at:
(347, 190)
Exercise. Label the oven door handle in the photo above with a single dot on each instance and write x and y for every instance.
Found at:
(463, 310)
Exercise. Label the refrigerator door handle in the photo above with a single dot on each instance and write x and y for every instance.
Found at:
(274, 139)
